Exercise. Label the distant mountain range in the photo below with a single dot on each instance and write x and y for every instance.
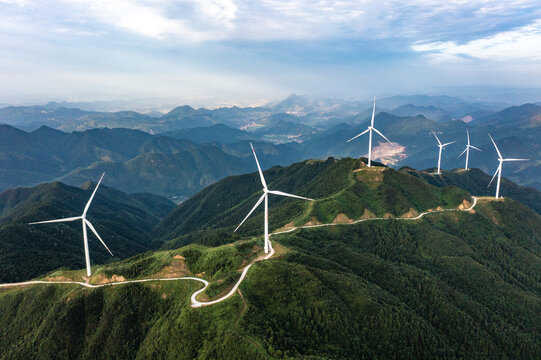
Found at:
(319, 113)
(201, 146)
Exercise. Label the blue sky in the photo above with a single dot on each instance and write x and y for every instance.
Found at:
(223, 52)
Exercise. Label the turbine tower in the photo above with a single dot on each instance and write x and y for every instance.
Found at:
(467, 150)
(369, 131)
(85, 224)
(265, 197)
(441, 146)
(499, 169)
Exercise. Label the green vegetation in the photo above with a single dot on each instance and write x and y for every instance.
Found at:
(26, 251)
(338, 186)
(475, 181)
(452, 285)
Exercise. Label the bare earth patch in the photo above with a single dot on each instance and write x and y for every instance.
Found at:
(411, 214)
(439, 208)
(466, 205)
(102, 279)
(58, 278)
(314, 221)
(388, 216)
(342, 219)
(254, 250)
(177, 268)
(368, 214)
(389, 153)
(286, 227)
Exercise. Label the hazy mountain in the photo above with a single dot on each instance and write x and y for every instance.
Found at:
(523, 116)
(414, 145)
(123, 221)
(454, 106)
(175, 175)
(281, 131)
(430, 112)
(45, 154)
(206, 134)
(319, 126)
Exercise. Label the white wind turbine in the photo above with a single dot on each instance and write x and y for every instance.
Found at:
(369, 131)
(85, 224)
(499, 169)
(467, 150)
(265, 197)
(441, 146)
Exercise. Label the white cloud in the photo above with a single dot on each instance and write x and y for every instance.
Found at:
(202, 20)
(523, 43)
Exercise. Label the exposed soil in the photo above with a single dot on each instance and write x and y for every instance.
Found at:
(177, 268)
(286, 227)
(368, 214)
(58, 278)
(411, 214)
(342, 219)
(102, 279)
(314, 221)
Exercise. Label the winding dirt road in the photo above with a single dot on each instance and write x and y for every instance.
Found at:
(195, 302)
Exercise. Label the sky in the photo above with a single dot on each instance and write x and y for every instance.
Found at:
(231, 52)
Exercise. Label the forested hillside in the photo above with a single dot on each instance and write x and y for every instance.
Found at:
(343, 190)
(123, 221)
(476, 182)
(452, 285)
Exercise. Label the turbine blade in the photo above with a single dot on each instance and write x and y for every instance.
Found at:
(251, 211)
(449, 143)
(468, 133)
(92, 196)
(466, 149)
(475, 148)
(364, 132)
(259, 168)
(496, 173)
(96, 233)
(497, 150)
(383, 136)
(437, 138)
(373, 112)
(56, 221)
(276, 192)
(515, 159)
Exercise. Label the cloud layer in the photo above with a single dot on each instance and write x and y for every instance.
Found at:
(266, 48)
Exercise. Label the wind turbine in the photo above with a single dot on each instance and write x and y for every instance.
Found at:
(85, 224)
(467, 150)
(441, 146)
(265, 197)
(499, 169)
(369, 131)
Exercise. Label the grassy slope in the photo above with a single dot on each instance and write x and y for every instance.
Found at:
(334, 184)
(449, 286)
(475, 181)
